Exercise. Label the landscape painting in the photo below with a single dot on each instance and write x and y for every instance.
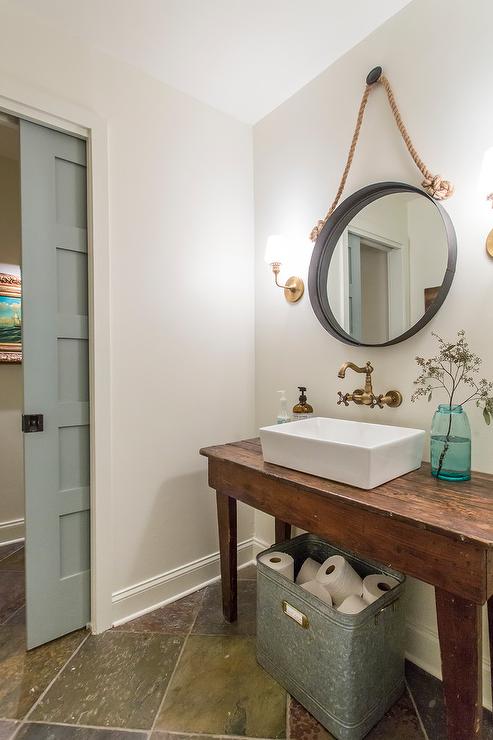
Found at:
(10, 318)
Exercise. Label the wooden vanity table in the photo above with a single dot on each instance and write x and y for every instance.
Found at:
(439, 532)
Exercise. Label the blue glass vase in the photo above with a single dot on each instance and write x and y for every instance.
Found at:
(450, 443)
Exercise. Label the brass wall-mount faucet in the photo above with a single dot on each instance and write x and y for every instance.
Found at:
(366, 397)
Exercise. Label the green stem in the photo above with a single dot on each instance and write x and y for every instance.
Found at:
(447, 440)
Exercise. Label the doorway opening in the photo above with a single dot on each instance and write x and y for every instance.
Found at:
(44, 360)
(12, 588)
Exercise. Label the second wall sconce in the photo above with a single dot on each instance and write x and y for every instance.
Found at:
(275, 255)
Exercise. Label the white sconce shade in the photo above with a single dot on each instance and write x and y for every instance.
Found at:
(486, 175)
(275, 249)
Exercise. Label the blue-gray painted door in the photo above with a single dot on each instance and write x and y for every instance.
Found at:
(56, 381)
(354, 285)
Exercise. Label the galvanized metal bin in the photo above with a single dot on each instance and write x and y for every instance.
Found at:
(346, 669)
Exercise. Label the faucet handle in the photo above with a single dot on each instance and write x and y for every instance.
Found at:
(343, 398)
(378, 401)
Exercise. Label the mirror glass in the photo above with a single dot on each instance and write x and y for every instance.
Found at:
(387, 267)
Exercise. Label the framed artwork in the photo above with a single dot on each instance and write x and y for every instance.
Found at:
(10, 318)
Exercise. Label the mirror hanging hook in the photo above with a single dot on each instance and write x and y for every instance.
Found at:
(373, 75)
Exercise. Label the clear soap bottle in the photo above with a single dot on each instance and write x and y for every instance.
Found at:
(283, 416)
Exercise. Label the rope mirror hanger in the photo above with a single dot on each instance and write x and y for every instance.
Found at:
(434, 185)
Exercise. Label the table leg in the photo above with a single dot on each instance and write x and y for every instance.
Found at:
(490, 631)
(459, 630)
(283, 531)
(226, 521)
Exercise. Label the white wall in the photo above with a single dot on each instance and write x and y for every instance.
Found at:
(11, 455)
(181, 215)
(437, 56)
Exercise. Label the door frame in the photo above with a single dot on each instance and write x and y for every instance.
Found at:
(37, 106)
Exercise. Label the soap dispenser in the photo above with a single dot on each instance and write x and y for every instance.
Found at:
(283, 416)
(302, 410)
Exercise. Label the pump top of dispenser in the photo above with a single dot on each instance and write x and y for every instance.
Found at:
(302, 410)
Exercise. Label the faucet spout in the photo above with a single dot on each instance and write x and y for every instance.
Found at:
(342, 371)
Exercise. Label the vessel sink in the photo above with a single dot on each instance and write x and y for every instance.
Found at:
(360, 454)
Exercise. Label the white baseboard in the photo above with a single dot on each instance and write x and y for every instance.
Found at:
(423, 649)
(12, 531)
(165, 588)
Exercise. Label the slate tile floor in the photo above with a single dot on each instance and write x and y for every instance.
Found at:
(178, 673)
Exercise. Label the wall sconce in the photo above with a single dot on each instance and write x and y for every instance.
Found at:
(275, 255)
(486, 187)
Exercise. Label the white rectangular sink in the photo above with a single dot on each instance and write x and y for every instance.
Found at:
(360, 454)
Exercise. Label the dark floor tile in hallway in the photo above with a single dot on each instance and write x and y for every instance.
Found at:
(34, 731)
(7, 729)
(117, 679)
(17, 617)
(173, 619)
(219, 689)
(12, 593)
(7, 550)
(427, 693)
(400, 722)
(15, 561)
(210, 620)
(25, 675)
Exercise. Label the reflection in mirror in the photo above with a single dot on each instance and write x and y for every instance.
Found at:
(387, 267)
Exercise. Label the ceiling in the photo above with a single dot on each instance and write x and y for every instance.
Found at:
(244, 57)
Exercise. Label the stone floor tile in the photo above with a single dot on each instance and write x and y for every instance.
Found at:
(25, 675)
(428, 695)
(400, 722)
(158, 735)
(173, 619)
(7, 729)
(34, 731)
(117, 679)
(248, 574)
(219, 689)
(210, 620)
(17, 617)
(6, 550)
(15, 561)
(12, 593)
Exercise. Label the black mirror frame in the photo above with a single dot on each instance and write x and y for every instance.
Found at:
(327, 242)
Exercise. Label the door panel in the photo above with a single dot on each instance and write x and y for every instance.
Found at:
(56, 381)
(354, 283)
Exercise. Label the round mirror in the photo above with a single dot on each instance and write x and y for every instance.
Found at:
(382, 265)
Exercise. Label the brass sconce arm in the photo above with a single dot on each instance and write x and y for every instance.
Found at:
(366, 397)
(294, 286)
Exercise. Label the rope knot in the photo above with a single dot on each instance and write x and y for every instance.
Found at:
(315, 232)
(437, 188)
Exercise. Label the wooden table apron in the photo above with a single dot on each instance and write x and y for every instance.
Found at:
(454, 555)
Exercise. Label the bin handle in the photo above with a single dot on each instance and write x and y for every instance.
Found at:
(295, 614)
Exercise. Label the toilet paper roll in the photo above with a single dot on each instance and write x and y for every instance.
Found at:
(352, 605)
(377, 585)
(308, 571)
(340, 578)
(280, 562)
(319, 590)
